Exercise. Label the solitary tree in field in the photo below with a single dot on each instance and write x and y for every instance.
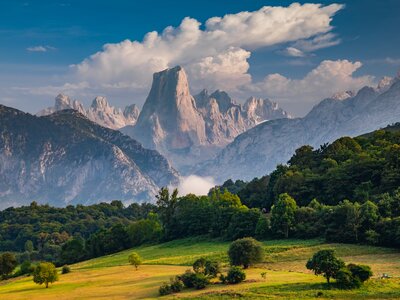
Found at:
(135, 260)
(46, 273)
(8, 262)
(326, 263)
(245, 252)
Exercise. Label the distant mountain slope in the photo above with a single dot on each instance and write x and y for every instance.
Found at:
(257, 151)
(65, 158)
(100, 111)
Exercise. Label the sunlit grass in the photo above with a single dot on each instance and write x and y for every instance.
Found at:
(110, 277)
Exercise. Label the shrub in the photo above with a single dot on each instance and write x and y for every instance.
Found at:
(212, 268)
(25, 268)
(199, 266)
(165, 289)
(264, 275)
(200, 281)
(362, 272)
(65, 269)
(223, 278)
(245, 252)
(188, 278)
(176, 285)
(235, 275)
(346, 280)
(207, 267)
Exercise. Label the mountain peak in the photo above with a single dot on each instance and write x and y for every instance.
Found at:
(170, 82)
(384, 84)
(169, 116)
(62, 102)
(100, 103)
(223, 99)
(343, 95)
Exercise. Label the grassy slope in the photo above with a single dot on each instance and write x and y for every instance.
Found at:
(110, 277)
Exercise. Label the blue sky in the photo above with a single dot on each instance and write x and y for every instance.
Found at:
(39, 40)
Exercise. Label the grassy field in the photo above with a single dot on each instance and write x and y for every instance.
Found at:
(110, 277)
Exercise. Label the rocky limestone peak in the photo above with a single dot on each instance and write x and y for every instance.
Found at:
(173, 107)
(384, 84)
(202, 98)
(223, 99)
(100, 103)
(62, 102)
(213, 107)
(343, 95)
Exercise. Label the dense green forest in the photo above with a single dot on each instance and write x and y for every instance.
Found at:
(347, 191)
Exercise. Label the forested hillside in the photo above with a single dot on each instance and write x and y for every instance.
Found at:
(347, 191)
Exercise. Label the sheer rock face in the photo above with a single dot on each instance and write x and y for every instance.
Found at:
(257, 151)
(100, 111)
(189, 129)
(169, 118)
(65, 158)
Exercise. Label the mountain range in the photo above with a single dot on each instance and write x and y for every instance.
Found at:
(64, 158)
(69, 154)
(100, 111)
(257, 151)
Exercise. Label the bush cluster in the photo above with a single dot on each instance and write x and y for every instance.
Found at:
(324, 262)
(65, 269)
(245, 251)
(235, 275)
(353, 276)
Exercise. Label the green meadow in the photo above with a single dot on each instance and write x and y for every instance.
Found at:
(110, 277)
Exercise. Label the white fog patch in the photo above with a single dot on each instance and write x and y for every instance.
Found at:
(194, 184)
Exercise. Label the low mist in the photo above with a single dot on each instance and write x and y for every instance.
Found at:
(194, 184)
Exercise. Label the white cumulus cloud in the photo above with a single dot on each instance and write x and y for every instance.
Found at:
(216, 55)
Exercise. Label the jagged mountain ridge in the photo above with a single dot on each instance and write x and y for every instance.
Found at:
(188, 129)
(257, 151)
(100, 111)
(65, 158)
